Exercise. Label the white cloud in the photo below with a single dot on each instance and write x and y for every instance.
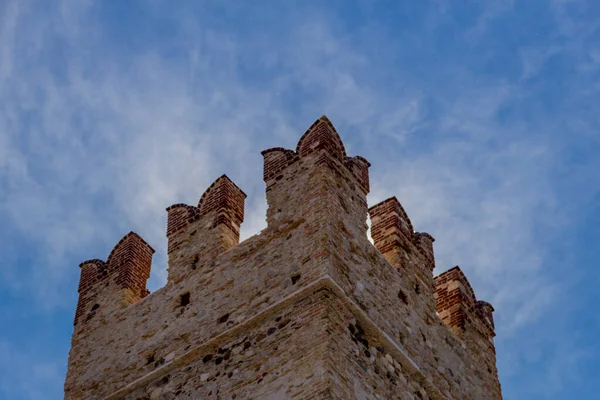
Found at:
(490, 12)
(533, 59)
(102, 142)
(156, 133)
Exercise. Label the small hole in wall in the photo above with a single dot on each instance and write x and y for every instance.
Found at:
(402, 296)
(224, 318)
(95, 307)
(417, 288)
(150, 359)
(402, 337)
(195, 262)
(184, 300)
(163, 381)
(295, 278)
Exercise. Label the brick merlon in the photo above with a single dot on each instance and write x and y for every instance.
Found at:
(223, 193)
(321, 135)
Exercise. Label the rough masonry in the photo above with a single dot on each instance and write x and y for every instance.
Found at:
(308, 308)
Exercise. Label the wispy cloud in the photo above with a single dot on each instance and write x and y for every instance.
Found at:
(102, 128)
(489, 12)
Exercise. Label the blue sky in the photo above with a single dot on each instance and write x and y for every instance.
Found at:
(482, 117)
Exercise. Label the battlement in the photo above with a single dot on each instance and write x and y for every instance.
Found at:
(393, 235)
(320, 136)
(223, 197)
(307, 308)
(127, 268)
(458, 306)
(213, 227)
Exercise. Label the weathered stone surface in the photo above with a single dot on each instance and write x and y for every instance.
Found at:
(307, 309)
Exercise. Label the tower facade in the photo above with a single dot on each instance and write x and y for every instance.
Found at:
(308, 308)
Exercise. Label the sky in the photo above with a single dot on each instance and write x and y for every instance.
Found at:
(482, 117)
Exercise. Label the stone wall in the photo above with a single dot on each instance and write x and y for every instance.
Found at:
(308, 308)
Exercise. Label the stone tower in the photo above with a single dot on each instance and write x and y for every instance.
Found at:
(307, 309)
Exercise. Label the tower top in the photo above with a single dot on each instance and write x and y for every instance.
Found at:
(308, 308)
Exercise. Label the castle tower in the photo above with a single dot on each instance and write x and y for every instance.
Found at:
(307, 309)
